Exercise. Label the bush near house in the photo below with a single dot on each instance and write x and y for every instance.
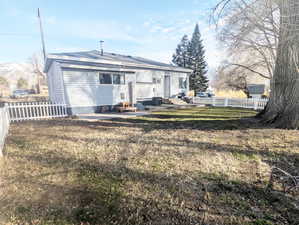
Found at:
(193, 166)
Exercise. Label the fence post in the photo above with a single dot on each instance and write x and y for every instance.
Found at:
(226, 102)
(255, 102)
(213, 102)
(4, 126)
(6, 107)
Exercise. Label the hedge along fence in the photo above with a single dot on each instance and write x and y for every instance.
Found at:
(4, 126)
(248, 103)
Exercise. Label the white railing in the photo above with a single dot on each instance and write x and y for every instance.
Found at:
(4, 126)
(248, 103)
(20, 111)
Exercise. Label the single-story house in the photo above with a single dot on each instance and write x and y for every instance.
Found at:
(87, 81)
(256, 90)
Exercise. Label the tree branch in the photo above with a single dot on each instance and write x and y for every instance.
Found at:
(248, 68)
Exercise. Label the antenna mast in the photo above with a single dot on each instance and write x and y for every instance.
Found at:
(41, 34)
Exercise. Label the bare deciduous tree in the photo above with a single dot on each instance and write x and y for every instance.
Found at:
(37, 64)
(251, 28)
(231, 78)
(283, 107)
(238, 75)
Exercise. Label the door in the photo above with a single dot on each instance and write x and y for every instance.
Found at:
(131, 92)
(167, 86)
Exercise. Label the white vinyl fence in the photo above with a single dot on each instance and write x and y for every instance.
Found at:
(4, 126)
(248, 103)
(20, 111)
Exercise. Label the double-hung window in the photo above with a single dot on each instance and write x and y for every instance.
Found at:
(107, 78)
(118, 79)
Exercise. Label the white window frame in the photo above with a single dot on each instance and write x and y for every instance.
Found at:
(112, 79)
(121, 75)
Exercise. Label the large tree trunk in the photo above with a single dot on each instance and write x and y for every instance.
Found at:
(283, 107)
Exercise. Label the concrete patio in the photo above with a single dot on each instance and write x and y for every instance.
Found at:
(112, 115)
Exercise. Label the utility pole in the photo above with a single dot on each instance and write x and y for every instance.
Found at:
(35, 59)
(42, 34)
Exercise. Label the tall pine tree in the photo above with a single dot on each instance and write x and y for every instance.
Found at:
(196, 62)
(180, 58)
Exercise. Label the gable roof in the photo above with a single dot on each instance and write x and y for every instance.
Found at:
(94, 58)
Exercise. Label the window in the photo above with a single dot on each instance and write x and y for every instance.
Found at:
(118, 79)
(156, 81)
(182, 83)
(105, 78)
(122, 96)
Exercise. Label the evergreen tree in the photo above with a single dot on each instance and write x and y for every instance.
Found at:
(196, 62)
(180, 58)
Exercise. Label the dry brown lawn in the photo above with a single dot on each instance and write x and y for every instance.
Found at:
(193, 166)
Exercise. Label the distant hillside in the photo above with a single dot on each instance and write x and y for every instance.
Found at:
(12, 72)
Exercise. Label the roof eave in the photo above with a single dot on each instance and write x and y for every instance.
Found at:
(51, 58)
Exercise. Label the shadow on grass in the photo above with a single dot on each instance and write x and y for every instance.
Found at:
(192, 148)
(200, 119)
(117, 192)
(148, 125)
(100, 197)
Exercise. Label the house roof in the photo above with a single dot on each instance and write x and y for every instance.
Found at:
(95, 59)
(256, 89)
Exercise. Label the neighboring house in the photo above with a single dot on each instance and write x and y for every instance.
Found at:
(86, 81)
(256, 90)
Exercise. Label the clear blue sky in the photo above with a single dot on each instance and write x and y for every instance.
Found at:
(148, 28)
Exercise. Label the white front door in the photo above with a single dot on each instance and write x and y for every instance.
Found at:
(131, 89)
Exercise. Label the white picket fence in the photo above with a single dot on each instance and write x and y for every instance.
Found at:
(20, 111)
(248, 103)
(4, 126)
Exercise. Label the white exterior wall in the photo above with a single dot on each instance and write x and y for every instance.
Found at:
(159, 87)
(84, 89)
(146, 89)
(81, 88)
(174, 80)
(55, 83)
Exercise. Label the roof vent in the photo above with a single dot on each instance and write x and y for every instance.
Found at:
(101, 45)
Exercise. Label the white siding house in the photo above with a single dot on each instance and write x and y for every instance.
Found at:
(87, 81)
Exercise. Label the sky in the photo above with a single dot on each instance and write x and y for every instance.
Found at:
(146, 28)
